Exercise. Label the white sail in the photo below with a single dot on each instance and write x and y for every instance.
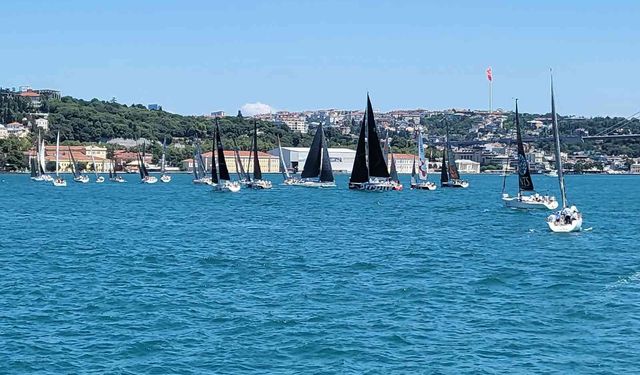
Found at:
(57, 154)
(424, 165)
(282, 163)
(42, 157)
(95, 169)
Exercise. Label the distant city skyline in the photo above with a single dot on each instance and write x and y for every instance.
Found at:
(197, 57)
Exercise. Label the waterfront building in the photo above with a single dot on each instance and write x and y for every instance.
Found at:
(468, 166)
(635, 168)
(268, 163)
(83, 158)
(295, 157)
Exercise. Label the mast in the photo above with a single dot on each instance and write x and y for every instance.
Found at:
(257, 173)
(73, 164)
(195, 163)
(222, 162)
(239, 167)
(556, 138)
(413, 172)
(140, 166)
(93, 161)
(360, 171)
(57, 153)
(377, 166)
(525, 183)
(312, 164)
(283, 165)
(394, 172)
(326, 171)
(164, 150)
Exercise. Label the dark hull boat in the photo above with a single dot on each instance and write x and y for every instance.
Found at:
(199, 174)
(369, 168)
(220, 178)
(145, 177)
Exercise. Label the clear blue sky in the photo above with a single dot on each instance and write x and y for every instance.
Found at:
(194, 57)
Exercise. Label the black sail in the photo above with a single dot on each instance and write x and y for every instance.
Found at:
(33, 167)
(360, 172)
(312, 164)
(453, 168)
(394, 171)
(444, 176)
(257, 173)
(74, 166)
(524, 175)
(326, 172)
(239, 168)
(377, 165)
(214, 170)
(140, 166)
(222, 163)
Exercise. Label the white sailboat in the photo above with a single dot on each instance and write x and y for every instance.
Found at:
(568, 219)
(525, 183)
(113, 177)
(58, 181)
(99, 179)
(199, 173)
(77, 175)
(421, 182)
(286, 177)
(43, 162)
(221, 181)
(317, 172)
(164, 177)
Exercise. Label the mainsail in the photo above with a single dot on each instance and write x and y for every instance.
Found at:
(312, 164)
(326, 172)
(242, 175)
(556, 138)
(453, 168)
(74, 166)
(524, 176)
(444, 176)
(424, 165)
(377, 165)
(214, 170)
(257, 173)
(283, 165)
(222, 163)
(413, 172)
(394, 172)
(57, 154)
(163, 160)
(360, 171)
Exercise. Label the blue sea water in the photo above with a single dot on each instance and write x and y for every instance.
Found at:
(176, 279)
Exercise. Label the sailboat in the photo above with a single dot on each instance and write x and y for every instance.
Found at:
(452, 178)
(221, 180)
(243, 177)
(145, 177)
(165, 177)
(369, 171)
(58, 181)
(568, 219)
(77, 175)
(317, 170)
(525, 183)
(286, 177)
(99, 179)
(199, 173)
(113, 177)
(37, 163)
(43, 162)
(256, 181)
(420, 181)
(393, 173)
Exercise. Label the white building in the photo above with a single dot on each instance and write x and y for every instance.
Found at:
(295, 121)
(3, 132)
(16, 129)
(635, 168)
(42, 123)
(295, 157)
(468, 166)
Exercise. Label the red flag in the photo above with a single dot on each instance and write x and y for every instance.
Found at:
(489, 74)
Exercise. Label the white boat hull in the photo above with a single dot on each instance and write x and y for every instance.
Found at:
(81, 179)
(227, 186)
(575, 226)
(528, 202)
(38, 179)
(165, 178)
(259, 184)
(423, 186)
(149, 180)
(59, 183)
(455, 184)
(118, 179)
(312, 184)
(100, 180)
(202, 181)
(565, 221)
(373, 186)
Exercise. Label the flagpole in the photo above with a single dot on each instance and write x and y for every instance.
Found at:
(491, 96)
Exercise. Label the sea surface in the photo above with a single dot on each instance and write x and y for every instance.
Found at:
(176, 279)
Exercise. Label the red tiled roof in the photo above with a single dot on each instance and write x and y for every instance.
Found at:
(29, 93)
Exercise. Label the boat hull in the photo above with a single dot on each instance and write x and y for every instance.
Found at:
(149, 180)
(372, 186)
(59, 183)
(227, 186)
(118, 179)
(202, 181)
(455, 184)
(165, 178)
(259, 185)
(565, 221)
(81, 179)
(312, 184)
(100, 180)
(574, 226)
(528, 202)
(423, 186)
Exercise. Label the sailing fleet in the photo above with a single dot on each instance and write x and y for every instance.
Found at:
(369, 173)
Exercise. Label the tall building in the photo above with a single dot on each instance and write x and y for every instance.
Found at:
(295, 121)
